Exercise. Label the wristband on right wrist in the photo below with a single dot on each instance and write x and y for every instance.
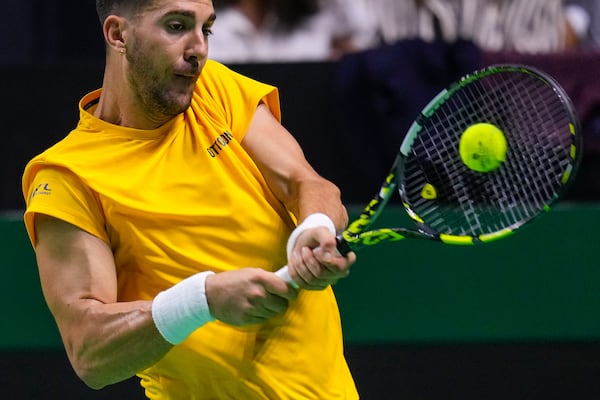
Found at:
(181, 309)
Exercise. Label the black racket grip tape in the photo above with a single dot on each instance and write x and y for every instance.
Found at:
(342, 245)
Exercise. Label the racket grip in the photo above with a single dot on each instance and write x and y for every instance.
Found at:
(284, 274)
(342, 246)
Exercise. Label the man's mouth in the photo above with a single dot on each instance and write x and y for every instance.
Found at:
(186, 75)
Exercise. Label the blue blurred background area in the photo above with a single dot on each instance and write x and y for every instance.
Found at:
(515, 319)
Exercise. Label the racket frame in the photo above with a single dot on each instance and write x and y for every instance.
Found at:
(358, 235)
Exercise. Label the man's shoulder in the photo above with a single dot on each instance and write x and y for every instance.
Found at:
(218, 80)
(215, 69)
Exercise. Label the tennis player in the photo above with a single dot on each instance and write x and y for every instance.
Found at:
(159, 220)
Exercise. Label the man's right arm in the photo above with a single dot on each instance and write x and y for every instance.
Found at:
(108, 341)
(105, 341)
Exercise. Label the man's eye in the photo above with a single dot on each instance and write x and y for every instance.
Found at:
(207, 31)
(176, 26)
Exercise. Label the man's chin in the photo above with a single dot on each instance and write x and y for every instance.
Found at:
(179, 102)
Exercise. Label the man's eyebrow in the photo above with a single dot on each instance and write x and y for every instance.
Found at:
(180, 13)
(189, 14)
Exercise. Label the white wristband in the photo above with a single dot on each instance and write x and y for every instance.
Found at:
(181, 309)
(312, 221)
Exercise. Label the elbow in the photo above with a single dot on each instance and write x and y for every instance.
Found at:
(98, 370)
(88, 371)
(91, 377)
(93, 384)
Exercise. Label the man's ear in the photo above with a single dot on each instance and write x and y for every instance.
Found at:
(113, 29)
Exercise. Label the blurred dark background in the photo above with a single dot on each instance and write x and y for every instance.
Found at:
(514, 320)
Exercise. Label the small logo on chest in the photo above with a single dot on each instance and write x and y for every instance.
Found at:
(219, 144)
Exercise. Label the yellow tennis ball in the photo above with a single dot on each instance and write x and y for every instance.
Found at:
(482, 147)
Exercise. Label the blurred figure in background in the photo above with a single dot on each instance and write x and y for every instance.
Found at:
(285, 30)
(524, 26)
(583, 24)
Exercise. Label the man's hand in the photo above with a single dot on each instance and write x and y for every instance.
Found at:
(247, 296)
(315, 263)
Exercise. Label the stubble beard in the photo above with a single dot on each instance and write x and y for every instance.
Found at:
(154, 94)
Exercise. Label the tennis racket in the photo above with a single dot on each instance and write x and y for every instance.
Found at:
(453, 201)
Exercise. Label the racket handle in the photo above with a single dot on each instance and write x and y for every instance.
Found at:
(342, 248)
(284, 274)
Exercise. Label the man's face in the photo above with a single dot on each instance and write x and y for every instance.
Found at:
(166, 51)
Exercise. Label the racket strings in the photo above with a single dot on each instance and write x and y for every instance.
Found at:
(533, 116)
(546, 152)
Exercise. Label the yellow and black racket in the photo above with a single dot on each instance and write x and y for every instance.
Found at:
(487, 155)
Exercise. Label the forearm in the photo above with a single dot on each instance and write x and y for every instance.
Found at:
(108, 343)
(320, 196)
(287, 172)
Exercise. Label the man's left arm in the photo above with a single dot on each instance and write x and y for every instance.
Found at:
(312, 259)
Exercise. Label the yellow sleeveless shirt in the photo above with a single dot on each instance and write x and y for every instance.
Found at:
(186, 198)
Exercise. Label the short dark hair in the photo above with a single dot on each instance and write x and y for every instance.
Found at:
(104, 8)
